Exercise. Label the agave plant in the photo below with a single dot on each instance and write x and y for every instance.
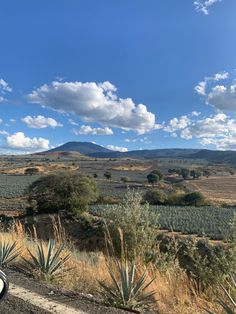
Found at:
(47, 262)
(230, 306)
(127, 290)
(8, 252)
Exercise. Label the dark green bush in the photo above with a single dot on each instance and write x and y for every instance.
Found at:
(68, 191)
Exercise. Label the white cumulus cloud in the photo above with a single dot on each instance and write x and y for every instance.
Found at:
(204, 5)
(40, 122)
(4, 86)
(117, 148)
(88, 130)
(220, 95)
(19, 141)
(95, 102)
(218, 130)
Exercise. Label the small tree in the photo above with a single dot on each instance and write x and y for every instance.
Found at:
(31, 171)
(107, 175)
(158, 173)
(194, 198)
(155, 197)
(185, 173)
(152, 178)
(206, 173)
(95, 175)
(196, 174)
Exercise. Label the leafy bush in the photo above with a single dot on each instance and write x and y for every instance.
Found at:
(152, 178)
(155, 197)
(107, 175)
(63, 191)
(124, 179)
(31, 171)
(194, 198)
(138, 224)
(127, 289)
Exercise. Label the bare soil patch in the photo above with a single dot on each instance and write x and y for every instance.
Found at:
(218, 189)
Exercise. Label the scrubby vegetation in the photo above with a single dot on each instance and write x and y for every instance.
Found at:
(71, 192)
(174, 276)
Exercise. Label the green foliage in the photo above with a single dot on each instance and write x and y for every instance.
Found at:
(95, 175)
(124, 179)
(155, 197)
(107, 175)
(72, 192)
(46, 263)
(137, 222)
(185, 173)
(128, 288)
(31, 171)
(194, 198)
(210, 221)
(206, 264)
(175, 198)
(8, 253)
(158, 173)
(152, 178)
(196, 174)
(177, 171)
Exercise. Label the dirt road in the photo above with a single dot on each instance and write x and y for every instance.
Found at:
(27, 296)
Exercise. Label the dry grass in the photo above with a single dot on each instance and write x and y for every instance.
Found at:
(45, 169)
(218, 189)
(175, 293)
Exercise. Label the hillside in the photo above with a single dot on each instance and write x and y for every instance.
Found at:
(84, 148)
(97, 151)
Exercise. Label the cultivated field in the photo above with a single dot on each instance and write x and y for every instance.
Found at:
(218, 189)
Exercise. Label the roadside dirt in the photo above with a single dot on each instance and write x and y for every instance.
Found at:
(78, 301)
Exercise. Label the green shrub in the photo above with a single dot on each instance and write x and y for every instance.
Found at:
(72, 192)
(107, 175)
(31, 171)
(152, 178)
(137, 222)
(194, 198)
(155, 197)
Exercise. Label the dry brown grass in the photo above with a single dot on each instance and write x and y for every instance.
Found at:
(47, 168)
(217, 189)
(175, 293)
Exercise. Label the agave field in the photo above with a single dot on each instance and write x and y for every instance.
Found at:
(12, 191)
(12, 186)
(212, 222)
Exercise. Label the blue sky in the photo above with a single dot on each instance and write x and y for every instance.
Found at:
(127, 74)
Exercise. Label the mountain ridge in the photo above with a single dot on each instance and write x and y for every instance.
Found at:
(98, 151)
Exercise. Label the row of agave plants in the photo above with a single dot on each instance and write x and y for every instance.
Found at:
(128, 289)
